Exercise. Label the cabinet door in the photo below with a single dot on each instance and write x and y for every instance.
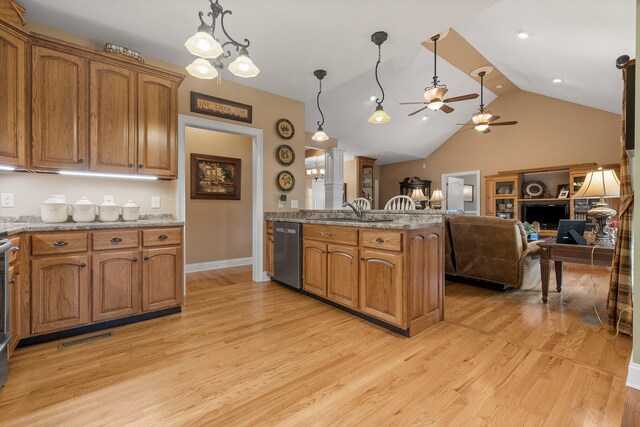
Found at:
(489, 205)
(116, 285)
(112, 104)
(314, 267)
(381, 286)
(269, 255)
(161, 278)
(157, 126)
(12, 100)
(14, 309)
(59, 293)
(342, 275)
(58, 110)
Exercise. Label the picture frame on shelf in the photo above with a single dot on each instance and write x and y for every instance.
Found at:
(561, 189)
(563, 194)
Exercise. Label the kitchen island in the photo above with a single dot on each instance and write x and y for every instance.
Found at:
(387, 267)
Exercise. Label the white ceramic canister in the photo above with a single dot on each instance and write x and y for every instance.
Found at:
(84, 210)
(109, 212)
(54, 210)
(130, 211)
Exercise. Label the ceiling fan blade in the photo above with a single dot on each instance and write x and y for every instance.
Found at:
(411, 103)
(417, 111)
(441, 92)
(486, 130)
(504, 123)
(446, 109)
(493, 118)
(461, 98)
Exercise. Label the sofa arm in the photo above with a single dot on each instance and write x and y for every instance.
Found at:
(532, 250)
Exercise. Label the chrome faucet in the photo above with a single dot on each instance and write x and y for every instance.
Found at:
(355, 208)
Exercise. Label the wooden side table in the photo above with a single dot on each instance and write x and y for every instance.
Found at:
(577, 254)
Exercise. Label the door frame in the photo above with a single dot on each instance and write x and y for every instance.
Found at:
(476, 191)
(257, 199)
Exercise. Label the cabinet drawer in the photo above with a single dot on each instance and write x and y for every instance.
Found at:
(115, 239)
(15, 249)
(387, 240)
(327, 233)
(58, 243)
(162, 236)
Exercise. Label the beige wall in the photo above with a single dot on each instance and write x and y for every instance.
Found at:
(550, 132)
(351, 178)
(219, 229)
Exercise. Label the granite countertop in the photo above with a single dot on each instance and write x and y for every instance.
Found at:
(398, 220)
(13, 225)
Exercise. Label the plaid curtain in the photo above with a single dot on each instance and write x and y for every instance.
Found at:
(620, 287)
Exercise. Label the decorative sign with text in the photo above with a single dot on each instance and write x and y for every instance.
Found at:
(218, 107)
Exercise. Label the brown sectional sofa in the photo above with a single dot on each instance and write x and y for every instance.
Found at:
(491, 249)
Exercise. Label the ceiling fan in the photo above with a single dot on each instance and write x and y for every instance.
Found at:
(483, 120)
(435, 94)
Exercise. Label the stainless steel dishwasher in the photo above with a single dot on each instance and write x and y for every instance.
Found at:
(287, 254)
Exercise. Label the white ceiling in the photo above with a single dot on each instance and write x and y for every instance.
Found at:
(575, 40)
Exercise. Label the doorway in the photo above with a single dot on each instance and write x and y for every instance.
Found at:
(471, 190)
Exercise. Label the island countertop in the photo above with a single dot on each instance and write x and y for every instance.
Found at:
(381, 219)
(14, 225)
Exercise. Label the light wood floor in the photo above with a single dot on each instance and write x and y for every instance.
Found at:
(258, 354)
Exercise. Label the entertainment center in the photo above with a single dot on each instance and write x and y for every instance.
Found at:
(545, 195)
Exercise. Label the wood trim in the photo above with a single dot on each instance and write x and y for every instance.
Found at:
(545, 169)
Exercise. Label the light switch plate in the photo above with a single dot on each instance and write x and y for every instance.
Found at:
(155, 202)
(6, 200)
(109, 199)
(294, 204)
(280, 204)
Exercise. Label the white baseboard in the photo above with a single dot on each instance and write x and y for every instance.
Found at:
(215, 265)
(265, 277)
(633, 376)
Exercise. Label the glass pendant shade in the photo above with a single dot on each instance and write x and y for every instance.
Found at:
(202, 69)
(481, 118)
(203, 44)
(320, 135)
(435, 105)
(379, 116)
(435, 93)
(243, 66)
(481, 127)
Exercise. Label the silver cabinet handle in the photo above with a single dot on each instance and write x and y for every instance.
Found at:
(380, 240)
(60, 244)
(15, 249)
(163, 237)
(116, 240)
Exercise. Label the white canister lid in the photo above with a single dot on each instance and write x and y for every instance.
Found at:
(109, 204)
(130, 204)
(84, 201)
(55, 200)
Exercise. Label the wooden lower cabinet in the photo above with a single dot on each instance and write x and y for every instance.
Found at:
(161, 278)
(269, 254)
(116, 285)
(59, 293)
(314, 267)
(381, 284)
(342, 275)
(14, 308)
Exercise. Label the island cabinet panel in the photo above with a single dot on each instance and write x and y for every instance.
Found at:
(112, 116)
(157, 126)
(161, 278)
(342, 275)
(314, 267)
(269, 255)
(381, 286)
(58, 110)
(59, 293)
(14, 308)
(12, 100)
(116, 285)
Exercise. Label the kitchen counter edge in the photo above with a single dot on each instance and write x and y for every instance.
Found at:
(15, 228)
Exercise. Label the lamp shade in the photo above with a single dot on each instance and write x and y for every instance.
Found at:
(203, 44)
(437, 196)
(320, 135)
(202, 69)
(243, 66)
(379, 116)
(417, 195)
(599, 183)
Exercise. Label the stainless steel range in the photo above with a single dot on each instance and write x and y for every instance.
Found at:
(5, 244)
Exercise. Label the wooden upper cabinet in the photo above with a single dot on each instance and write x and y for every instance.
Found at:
(12, 100)
(58, 110)
(112, 118)
(157, 126)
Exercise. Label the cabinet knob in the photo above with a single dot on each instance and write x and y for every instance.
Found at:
(60, 244)
(163, 237)
(131, 165)
(80, 160)
(12, 281)
(140, 166)
(380, 240)
(135, 260)
(361, 259)
(116, 240)
(15, 249)
(83, 265)
(146, 258)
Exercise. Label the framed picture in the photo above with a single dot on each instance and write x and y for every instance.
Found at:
(218, 107)
(562, 188)
(468, 193)
(563, 194)
(215, 178)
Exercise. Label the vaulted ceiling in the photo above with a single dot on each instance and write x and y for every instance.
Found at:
(576, 40)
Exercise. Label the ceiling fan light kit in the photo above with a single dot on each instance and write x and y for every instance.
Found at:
(320, 135)
(379, 116)
(483, 119)
(211, 52)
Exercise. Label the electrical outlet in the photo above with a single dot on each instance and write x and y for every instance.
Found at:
(6, 200)
(294, 204)
(109, 199)
(281, 204)
(155, 202)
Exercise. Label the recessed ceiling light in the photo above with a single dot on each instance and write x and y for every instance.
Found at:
(425, 118)
(557, 80)
(524, 34)
(499, 87)
(372, 98)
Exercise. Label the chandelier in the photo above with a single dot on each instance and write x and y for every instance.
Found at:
(210, 52)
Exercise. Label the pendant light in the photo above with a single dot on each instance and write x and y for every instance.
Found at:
(320, 135)
(379, 116)
(243, 66)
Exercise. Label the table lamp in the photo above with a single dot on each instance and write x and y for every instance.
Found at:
(437, 197)
(601, 183)
(418, 196)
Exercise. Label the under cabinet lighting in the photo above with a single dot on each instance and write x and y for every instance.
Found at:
(109, 175)
(7, 168)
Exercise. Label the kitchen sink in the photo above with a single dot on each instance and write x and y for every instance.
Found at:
(356, 220)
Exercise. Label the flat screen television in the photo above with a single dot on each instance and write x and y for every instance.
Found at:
(548, 216)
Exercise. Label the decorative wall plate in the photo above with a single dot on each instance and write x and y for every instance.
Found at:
(285, 129)
(285, 155)
(285, 181)
(535, 189)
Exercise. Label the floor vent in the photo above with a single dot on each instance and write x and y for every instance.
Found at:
(84, 340)
(590, 320)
